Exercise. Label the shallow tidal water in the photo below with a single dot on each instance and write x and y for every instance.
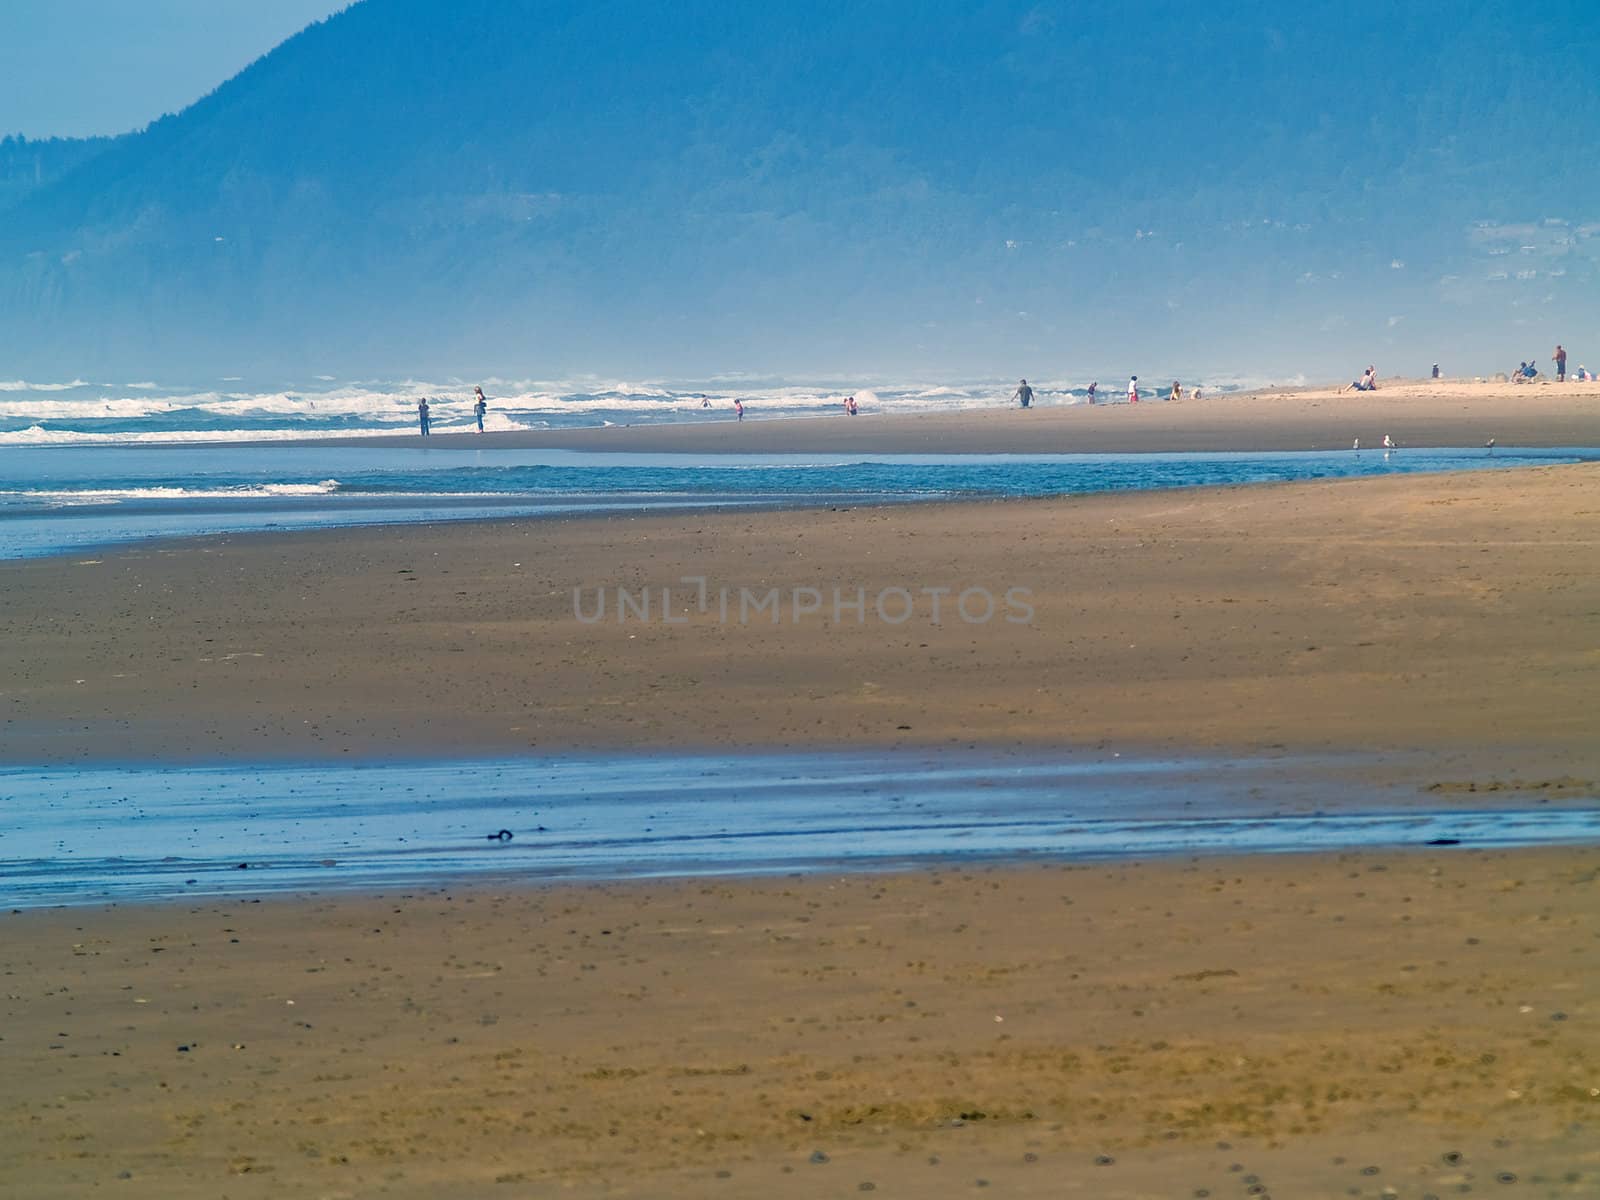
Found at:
(73, 836)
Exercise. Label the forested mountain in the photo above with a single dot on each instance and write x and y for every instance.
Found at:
(27, 165)
(625, 185)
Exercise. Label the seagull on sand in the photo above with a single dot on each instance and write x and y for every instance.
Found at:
(1356, 445)
(1388, 442)
(1489, 445)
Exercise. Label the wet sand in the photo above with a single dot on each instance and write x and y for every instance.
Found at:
(1454, 614)
(1414, 413)
(1312, 1026)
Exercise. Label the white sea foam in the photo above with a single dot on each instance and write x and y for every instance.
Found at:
(22, 385)
(377, 407)
(115, 495)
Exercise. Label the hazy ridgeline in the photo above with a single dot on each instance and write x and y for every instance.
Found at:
(799, 187)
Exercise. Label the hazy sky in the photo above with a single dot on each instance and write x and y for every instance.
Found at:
(81, 67)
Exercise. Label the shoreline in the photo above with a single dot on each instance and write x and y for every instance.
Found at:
(1415, 413)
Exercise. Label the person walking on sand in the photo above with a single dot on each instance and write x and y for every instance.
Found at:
(1133, 389)
(423, 422)
(1093, 387)
(1024, 393)
(479, 407)
(738, 408)
(1561, 363)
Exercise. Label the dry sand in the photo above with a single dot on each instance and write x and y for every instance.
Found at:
(1414, 413)
(1315, 1027)
(1457, 614)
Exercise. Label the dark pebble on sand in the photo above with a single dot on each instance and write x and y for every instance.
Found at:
(1030, 1156)
(1369, 1170)
(866, 1185)
(1505, 1177)
(817, 1156)
(1451, 1158)
(1558, 1016)
(1103, 1160)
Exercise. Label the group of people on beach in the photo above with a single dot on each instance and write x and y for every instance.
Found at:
(425, 413)
(1024, 392)
(1527, 372)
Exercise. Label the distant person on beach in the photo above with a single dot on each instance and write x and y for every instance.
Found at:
(1583, 374)
(1024, 393)
(1133, 389)
(705, 401)
(1436, 370)
(1093, 387)
(422, 417)
(1194, 394)
(479, 407)
(1176, 393)
(738, 408)
(850, 407)
(1531, 371)
(1561, 363)
(1367, 383)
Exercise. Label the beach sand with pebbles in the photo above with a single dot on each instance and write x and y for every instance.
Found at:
(1406, 1023)
(1306, 1026)
(1454, 614)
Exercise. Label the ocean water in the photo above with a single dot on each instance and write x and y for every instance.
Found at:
(55, 499)
(83, 412)
(93, 834)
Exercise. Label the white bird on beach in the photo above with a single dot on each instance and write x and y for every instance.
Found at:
(1489, 445)
(1356, 445)
(1388, 442)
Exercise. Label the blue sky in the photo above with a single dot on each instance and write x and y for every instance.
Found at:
(82, 67)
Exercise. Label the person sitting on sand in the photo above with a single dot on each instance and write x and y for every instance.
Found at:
(1176, 393)
(1531, 371)
(1367, 383)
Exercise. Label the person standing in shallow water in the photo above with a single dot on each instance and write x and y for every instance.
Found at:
(738, 408)
(1024, 393)
(480, 407)
(423, 422)
(1133, 389)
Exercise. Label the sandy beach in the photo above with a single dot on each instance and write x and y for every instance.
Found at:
(1312, 1026)
(1413, 412)
(1388, 1023)
(1454, 614)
